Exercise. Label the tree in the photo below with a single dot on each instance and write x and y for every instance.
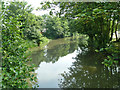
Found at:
(56, 27)
(91, 18)
(31, 24)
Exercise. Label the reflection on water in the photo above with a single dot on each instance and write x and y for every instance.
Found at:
(54, 50)
(48, 73)
(85, 72)
(65, 63)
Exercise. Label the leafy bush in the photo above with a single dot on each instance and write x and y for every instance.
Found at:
(30, 43)
(113, 55)
(15, 70)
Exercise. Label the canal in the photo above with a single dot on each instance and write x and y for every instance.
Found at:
(70, 63)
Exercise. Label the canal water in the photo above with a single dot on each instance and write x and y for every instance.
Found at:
(70, 63)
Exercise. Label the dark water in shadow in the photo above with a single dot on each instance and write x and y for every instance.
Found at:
(69, 63)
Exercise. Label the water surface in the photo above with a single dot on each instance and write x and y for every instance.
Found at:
(69, 63)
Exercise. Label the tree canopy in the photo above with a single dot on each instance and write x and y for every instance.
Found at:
(99, 20)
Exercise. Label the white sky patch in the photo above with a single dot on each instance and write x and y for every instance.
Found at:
(35, 4)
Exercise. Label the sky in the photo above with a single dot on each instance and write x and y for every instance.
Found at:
(35, 4)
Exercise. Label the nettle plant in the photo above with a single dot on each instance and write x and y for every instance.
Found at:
(114, 56)
(15, 70)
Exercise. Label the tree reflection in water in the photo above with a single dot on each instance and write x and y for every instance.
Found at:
(88, 72)
(54, 50)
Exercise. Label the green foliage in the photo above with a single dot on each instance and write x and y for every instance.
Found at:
(22, 30)
(34, 29)
(56, 27)
(109, 61)
(31, 24)
(93, 19)
(113, 55)
(15, 70)
(30, 43)
(98, 20)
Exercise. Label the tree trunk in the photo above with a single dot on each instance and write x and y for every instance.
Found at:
(107, 30)
(116, 31)
(112, 29)
(108, 27)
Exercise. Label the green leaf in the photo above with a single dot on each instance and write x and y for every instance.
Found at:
(97, 50)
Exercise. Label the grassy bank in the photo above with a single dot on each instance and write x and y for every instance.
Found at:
(35, 48)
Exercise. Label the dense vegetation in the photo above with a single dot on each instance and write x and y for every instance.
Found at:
(98, 20)
(14, 58)
(56, 27)
(22, 30)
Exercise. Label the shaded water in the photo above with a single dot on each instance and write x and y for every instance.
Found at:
(69, 63)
